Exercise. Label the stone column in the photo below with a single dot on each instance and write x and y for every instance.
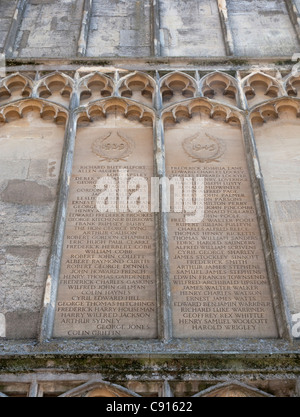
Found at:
(57, 246)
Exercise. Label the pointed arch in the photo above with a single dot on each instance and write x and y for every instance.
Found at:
(56, 87)
(292, 84)
(177, 86)
(130, 109)
(138, 86)
(232, 389)
(210, 108)
(221, 87)
(259, 87)
(15, 86)
(95, 85)
(48, 111)
(98, 389)
(275, 109)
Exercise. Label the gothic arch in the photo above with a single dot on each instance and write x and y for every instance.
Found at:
(221, 87)
(274, 109)
(232, 389)
(95, 85)
(212, 109)
(48, 111)
(94, 389)
(177, 86)
(15, 86)
(137, 86)
(56, 87)
(291, 83)
(100, 109)
(259, 87)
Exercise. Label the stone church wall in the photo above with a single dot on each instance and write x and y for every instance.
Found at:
(146, 303)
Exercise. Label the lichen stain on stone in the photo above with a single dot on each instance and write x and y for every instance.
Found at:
(27, 252)
(26, 193)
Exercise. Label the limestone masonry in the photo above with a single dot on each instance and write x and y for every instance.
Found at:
(149, 198)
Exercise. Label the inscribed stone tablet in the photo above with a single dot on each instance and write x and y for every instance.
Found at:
(218, 275)
(107, 284)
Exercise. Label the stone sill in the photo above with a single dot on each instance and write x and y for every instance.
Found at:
(153, 360)
(150, 348)
(150, 63)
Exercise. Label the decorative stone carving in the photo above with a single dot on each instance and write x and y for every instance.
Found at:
(177, 86)
(137, 86)
(232, 389)
(292, 85)
(56, 87)
(205, 148)
(100, 389)
(125, 107)
(259, 87)
(113, 147)
(47, 111)
(94, 86)
(274, 110)
(204, 106)
(14, 87)
(140, 87)
(219, 86)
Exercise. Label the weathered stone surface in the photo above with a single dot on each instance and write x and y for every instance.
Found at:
(27, 252)
(27, 193)
(181, 367)
(129, 29)
(49, 29)
(28, 188)
(22, 324)
(14, 169)
(7, 9)
(297, 2)
(120, 28)
(191, 28)
(271, 35)
(279, 154)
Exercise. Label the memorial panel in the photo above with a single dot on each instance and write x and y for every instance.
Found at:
(218, 275)
(107, 283)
